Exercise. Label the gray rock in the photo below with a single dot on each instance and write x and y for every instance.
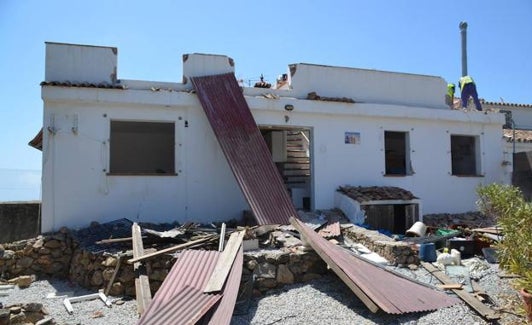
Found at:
(284, 275)
(265, 270)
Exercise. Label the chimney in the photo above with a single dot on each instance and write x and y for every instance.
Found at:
(463, 31)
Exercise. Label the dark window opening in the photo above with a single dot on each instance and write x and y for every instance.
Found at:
(397, 159)
(464, 155)
(142, 148)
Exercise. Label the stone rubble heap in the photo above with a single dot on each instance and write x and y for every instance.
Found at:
(29, 313)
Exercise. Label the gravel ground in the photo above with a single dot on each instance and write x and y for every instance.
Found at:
(330, 301)
(86, 312)
(323, 301)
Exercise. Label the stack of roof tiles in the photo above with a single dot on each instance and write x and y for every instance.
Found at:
(376, 193)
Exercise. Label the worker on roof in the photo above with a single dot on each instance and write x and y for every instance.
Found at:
(449, 98)
(469, 89)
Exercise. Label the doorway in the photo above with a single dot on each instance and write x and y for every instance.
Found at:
(291, 153)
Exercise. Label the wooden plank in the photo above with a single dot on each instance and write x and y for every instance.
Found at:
(172, 249)
(142, 282)
(341, 274)
(222, 238)
(113, 240)
(112, 280)
(489, 230)
(450, 286)
(469, 299)
(223, 266)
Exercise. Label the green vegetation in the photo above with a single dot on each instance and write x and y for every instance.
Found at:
(508, 207)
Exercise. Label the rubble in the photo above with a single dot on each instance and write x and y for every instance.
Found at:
(281, 259)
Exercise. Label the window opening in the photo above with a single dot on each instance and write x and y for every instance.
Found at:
(142, 148)
(464, 154)
(397, 157)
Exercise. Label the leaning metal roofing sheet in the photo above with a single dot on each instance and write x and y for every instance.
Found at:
(389, 292)
(244, 148)
(193, 268)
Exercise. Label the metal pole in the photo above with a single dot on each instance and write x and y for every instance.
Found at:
(463, 31)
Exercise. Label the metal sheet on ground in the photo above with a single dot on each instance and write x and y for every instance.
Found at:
(392, 294)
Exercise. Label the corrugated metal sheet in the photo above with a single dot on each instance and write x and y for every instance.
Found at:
(187, 307)
(193, 268)
(391, 293)
(244, 148)
(224, 310)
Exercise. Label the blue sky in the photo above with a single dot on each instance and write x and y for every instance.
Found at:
(415, 36)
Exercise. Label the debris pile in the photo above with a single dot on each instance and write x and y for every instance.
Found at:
(29, 313)
(158, 259)
(314, 96)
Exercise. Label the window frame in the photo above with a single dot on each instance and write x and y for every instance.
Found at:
(455, 157)
(406, 168)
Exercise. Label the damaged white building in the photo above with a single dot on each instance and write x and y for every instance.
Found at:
(115, 148)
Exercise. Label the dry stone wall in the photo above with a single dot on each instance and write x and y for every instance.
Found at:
(58, 255)
(398, 253)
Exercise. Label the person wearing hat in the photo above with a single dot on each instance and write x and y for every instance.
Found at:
(469, 89)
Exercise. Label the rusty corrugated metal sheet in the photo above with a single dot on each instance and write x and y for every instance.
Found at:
(391, 293)
(330, 230)
(224, 311)
(244, 148)
(193, 268)
(187, 307)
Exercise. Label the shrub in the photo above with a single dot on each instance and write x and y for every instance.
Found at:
(513, 214)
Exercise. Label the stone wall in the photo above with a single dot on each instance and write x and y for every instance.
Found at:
(268, 269)
(44, 255)
(398, 253)
(19, 220)
(58, 255)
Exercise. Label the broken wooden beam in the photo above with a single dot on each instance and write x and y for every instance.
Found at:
(222, 238)
(113, 240)
(223, 266)
(450, 286)
(172, 249)
(115, 272)
(468, 298)
(142, 282)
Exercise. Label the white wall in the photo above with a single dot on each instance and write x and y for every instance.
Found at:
(80, 63)
(337, 163)
(77, 189)
(372, 86)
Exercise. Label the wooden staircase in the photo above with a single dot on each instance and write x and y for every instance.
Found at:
(296, 169)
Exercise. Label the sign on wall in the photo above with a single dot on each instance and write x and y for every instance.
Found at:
(352, 137)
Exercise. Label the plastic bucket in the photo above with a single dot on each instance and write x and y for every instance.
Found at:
(427, 252)
(417, 229)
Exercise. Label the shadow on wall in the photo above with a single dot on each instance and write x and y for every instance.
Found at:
(19, 220)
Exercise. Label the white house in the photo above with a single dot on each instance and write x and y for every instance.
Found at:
(518, 128)
(144, 150)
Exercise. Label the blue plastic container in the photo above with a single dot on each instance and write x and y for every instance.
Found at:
(427, 252)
